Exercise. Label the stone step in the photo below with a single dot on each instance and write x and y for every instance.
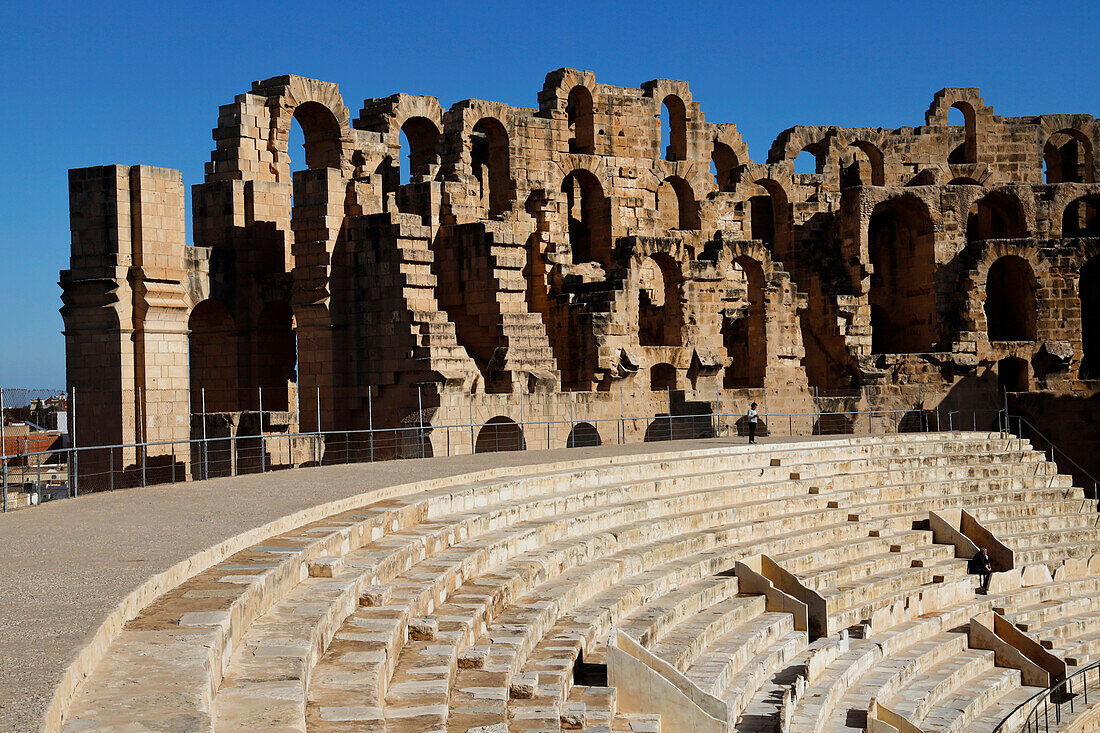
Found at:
(968, 701)
(926, 691)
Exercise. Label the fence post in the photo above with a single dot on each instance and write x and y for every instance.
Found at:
(473, 440)
(669, 390)
(111, 458)
(419, 422)
(717, 408)
(205, 442)
(263, 455)
(622, 421)
(319, 450)
(3, 450)
(370, 420)
(74, 473)
(571, 441)
(141, 422)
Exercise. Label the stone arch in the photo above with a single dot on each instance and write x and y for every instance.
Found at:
(423, 135)
(500, 434)
(744, 335)
(660, 301)
(770, 217)
(321, 129)
(1081, 217)
(867, 166)
(1067, 157)
(1088, 290)
(583, 435)
(490, 160)
(580, 113)
(212, 357)
(997, 215)
(724, 161)
(662, 376)
(676, 204)
(318, 108)
(1010, 308)
(675, 115)
(967, 151)
(588, 217)
(901, 295)
(276, 355)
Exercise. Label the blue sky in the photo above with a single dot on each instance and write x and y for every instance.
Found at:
(91, 83)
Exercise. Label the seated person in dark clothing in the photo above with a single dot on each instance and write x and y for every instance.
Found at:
(981, 565)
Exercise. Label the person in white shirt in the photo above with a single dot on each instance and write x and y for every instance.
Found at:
(753, 418)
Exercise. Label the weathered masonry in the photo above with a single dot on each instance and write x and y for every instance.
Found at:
(485, 262)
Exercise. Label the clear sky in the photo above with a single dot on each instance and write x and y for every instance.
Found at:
(91, 83)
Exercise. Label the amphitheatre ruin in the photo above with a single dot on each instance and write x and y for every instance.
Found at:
(605, 272)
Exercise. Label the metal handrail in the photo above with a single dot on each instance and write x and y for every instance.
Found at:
(1042, 705)
(1021, 421)
(197, 451)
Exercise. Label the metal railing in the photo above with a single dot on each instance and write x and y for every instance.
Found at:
(1025, 430)
(1055, 704)
(77, 469)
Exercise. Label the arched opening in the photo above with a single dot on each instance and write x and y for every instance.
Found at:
(660, 308)
(723, 162)
(961, 115)
(902, 293)
(769, 217)
(674, 128)
(1067, 157)
(1010, 300)
(1089, 292)
(320, 136)
(583, 435)
(676, 204)
(963, 181)
(579, 111)
(276, 356)
(995, 216)
(589, 218)
(806, 162)
(212, 358)
(489, 157)
(866, 167)
(662, 377)
(1081, 217)
(1012, 375)
(420, 148)
(743, 333)
(499, 434)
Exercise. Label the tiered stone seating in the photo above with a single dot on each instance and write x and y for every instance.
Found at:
(467, 604)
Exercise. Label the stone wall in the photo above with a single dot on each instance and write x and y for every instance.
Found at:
(574, 257)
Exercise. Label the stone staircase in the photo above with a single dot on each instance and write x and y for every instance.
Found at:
(472, 603)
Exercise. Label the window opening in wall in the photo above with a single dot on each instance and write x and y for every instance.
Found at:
(805, 162)
(660, 310)
(491, 165)
(902, 288)
(674, 128)
(1067, 158)
(1012, 375)
(743, 331)
(1082, 218)
(1010, 300)
(579, 112)
(995, 216)
(723, 163)
(962, 142)
(662, 377)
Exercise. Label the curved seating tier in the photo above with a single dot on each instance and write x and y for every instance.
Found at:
(485, 603)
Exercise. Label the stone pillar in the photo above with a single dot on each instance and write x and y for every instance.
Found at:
(125, 313)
